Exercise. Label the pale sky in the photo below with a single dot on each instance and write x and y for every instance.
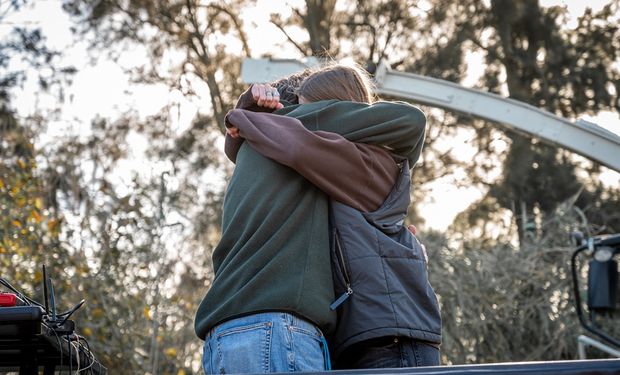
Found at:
(103, 89)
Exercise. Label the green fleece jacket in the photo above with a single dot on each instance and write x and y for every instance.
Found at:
(274, 250)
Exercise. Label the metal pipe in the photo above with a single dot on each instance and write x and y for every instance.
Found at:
(584, 341)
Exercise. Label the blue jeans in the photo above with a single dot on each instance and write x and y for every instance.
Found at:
(265, 342)
(388, 352)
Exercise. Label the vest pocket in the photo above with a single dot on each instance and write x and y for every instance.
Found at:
(402, 244)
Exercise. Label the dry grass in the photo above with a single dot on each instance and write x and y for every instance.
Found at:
(504, 303)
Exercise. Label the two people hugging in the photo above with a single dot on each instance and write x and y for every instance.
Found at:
(315, 266)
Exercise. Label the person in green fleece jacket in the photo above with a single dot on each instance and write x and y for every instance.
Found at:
(268, 306)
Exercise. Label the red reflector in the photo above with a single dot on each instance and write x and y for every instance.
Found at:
(7, 299)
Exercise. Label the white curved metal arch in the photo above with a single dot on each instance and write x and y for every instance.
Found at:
(582, 137)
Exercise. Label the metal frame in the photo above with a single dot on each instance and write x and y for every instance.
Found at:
(585, 341)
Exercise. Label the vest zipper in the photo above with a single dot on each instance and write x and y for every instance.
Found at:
(345, 274)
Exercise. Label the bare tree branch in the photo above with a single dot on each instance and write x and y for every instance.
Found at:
(300, 48)
(235, 20)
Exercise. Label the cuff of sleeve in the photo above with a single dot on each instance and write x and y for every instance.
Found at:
(246, 100)
(231, 118)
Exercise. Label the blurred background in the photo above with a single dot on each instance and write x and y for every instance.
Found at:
(112, 172)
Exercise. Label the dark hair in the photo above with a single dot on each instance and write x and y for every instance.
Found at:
(287, 87)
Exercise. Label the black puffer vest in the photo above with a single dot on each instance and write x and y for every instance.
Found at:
(380, 276)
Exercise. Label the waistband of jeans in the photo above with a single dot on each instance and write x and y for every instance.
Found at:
(274, 317)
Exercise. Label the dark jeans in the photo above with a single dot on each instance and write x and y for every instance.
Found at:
(388, 352)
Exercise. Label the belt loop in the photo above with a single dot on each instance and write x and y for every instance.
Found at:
(294, 320)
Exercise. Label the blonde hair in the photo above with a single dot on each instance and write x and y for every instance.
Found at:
(337, 81)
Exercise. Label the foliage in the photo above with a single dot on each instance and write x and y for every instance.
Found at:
(103, 239)
(139, 252)
(192, 28)
(29, 229)
(37, 60)
(505, 303)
